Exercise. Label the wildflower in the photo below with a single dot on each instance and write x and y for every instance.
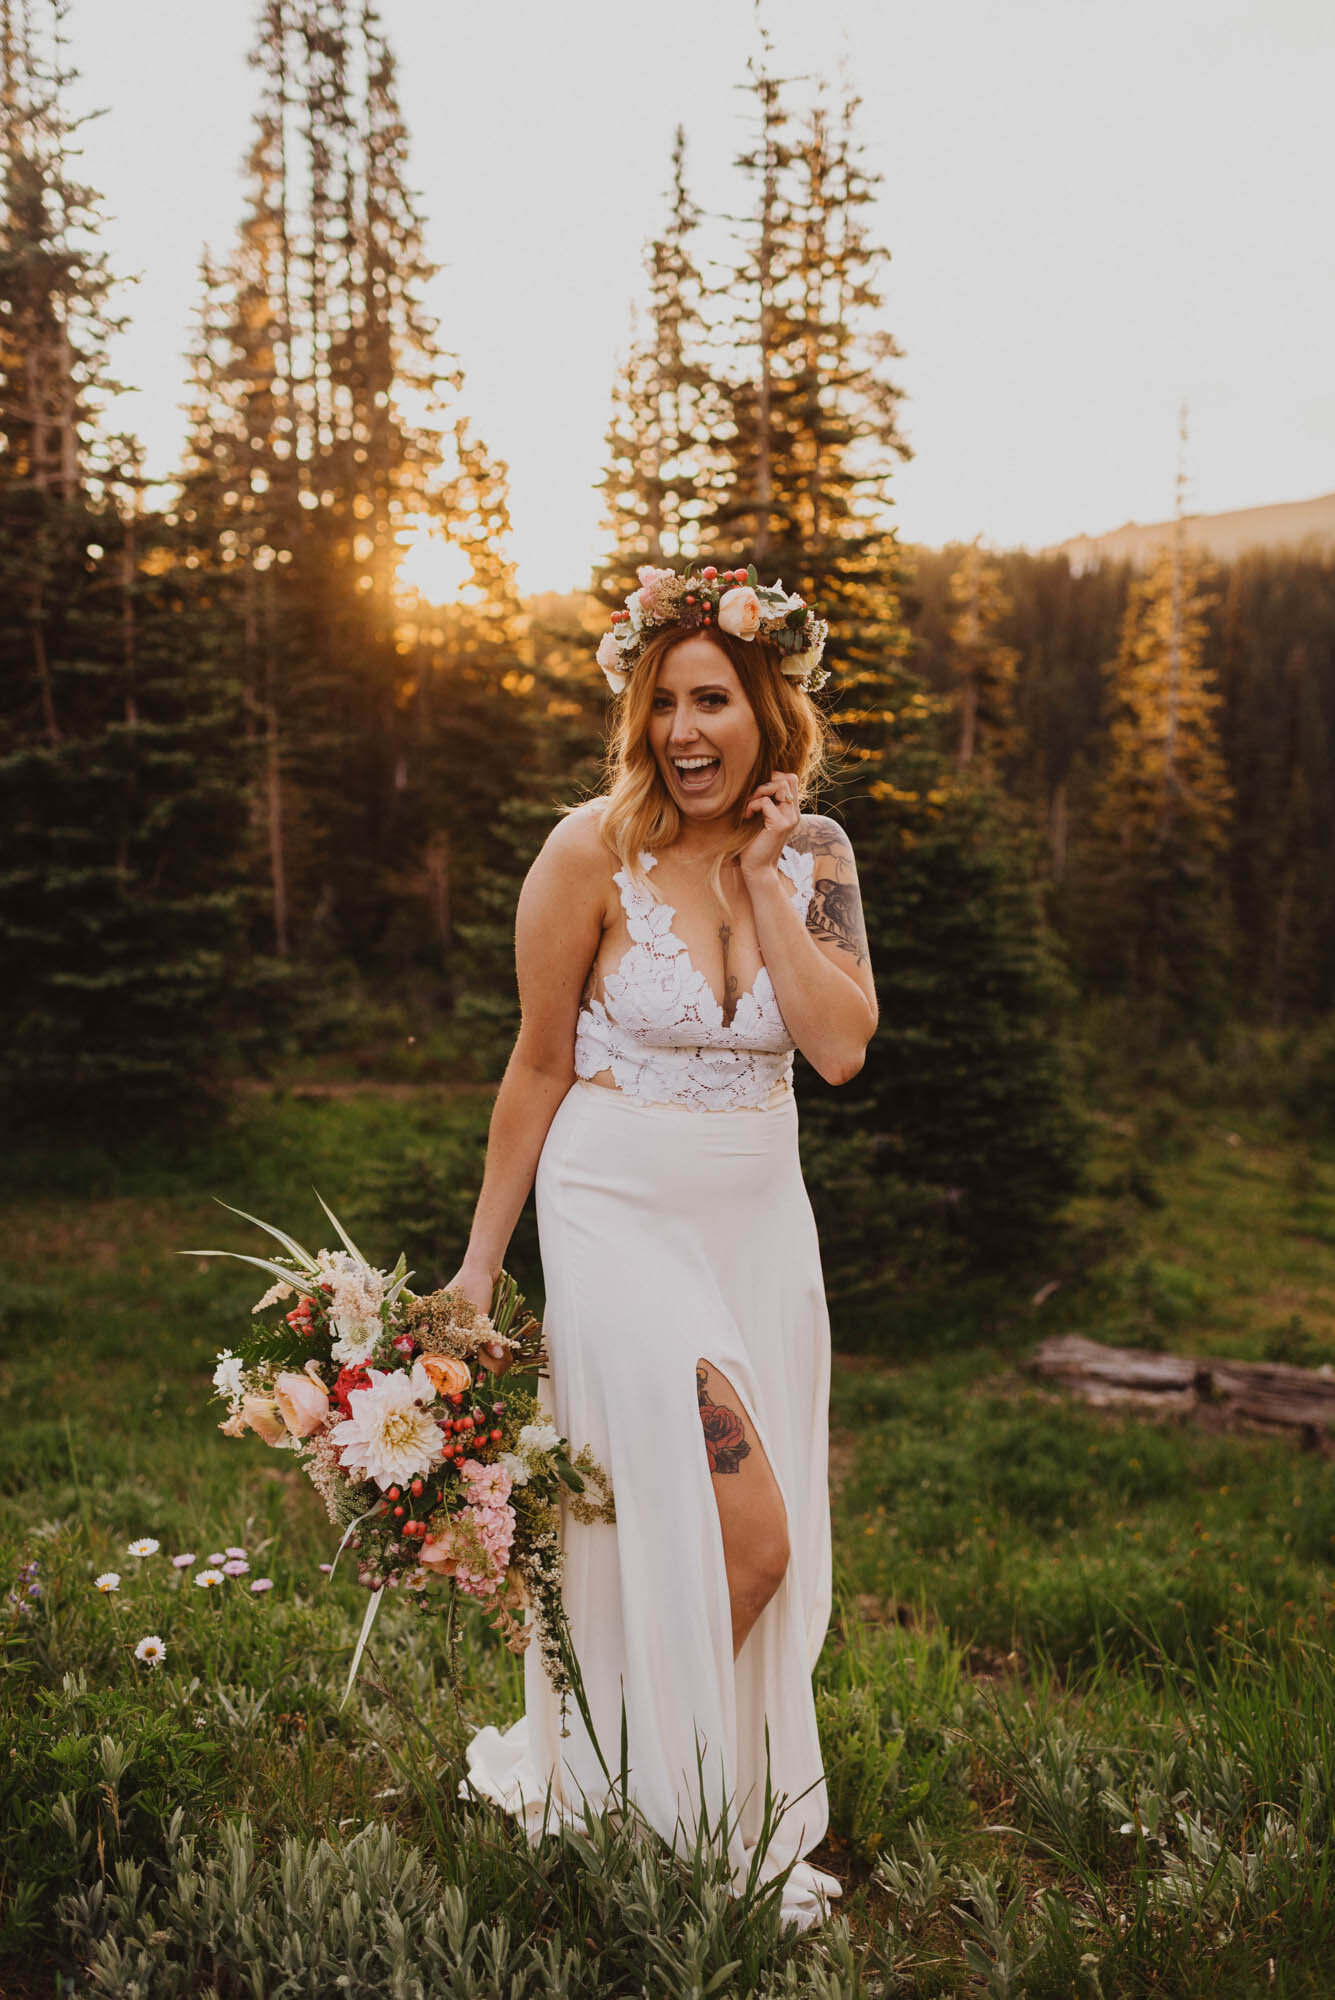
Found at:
(235, 1554)
(262, 1583)
(227, 1376)
(218, 1556)
(237, 1567)
(151, 1651)
(326, 1567)
(184, 1561)
(209, 1578)
(146, 1546)
(109, 1580)
(272, 1297)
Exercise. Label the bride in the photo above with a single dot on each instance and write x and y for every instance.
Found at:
(675, 939)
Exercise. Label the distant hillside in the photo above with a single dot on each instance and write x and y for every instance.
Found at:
(1293, 524)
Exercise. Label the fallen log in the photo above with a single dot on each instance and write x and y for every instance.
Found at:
(1253, 1395)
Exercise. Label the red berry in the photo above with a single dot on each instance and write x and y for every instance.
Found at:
(391, 1493)
(457, 1398)
(398, 1511)
(709, 574)
(495, 1437)
(415, 1488)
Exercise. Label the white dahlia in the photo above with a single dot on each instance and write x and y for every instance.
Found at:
(389, 1434)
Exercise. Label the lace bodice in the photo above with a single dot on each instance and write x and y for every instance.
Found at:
(660, 1030)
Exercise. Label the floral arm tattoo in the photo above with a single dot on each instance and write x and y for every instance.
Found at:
(835, 916)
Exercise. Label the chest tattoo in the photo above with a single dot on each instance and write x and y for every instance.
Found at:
(729, 976)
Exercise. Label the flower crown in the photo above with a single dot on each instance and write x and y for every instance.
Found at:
(734, 601)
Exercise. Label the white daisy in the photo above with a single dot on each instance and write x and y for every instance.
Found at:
(209, 1578)
(151, 1651)
(145, 1546)
(109, 1580)
(388, 1435)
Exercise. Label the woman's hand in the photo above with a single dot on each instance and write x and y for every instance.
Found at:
(779, 803)
(476, 1284)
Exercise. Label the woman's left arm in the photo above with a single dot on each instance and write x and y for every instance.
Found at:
(820, 969)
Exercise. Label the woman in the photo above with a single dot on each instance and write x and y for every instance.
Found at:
(675, 939)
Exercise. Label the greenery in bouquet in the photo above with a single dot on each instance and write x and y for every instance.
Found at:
(429, 1467)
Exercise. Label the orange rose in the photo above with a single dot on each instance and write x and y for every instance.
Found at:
(447, 1374)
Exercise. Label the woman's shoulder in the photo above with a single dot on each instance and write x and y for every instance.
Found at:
(574, 855)
(578, 833)
(823, 839)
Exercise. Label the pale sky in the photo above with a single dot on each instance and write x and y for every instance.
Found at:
(1096, 209)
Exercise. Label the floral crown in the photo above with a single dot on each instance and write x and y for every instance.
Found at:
(731, 600)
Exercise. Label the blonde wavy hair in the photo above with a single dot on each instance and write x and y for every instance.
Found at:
(640, 814)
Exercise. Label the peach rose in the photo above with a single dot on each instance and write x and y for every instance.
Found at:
(447, 1374)
(261, 1414)
(303, 1400)
(739, 612)
(438, 1556)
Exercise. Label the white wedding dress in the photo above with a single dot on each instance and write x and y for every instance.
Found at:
(675, 1228)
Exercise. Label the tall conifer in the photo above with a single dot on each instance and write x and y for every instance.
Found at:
(121, 758)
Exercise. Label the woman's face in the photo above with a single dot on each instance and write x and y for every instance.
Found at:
(702, 730)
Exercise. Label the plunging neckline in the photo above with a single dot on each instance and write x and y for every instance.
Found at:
(678, 947)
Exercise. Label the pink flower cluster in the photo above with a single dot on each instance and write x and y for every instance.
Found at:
(493, 1517)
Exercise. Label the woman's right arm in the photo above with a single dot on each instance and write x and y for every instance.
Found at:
(558, 927)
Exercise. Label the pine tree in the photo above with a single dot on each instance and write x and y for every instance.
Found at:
(120, 754)
(799, 358)
(983, 668)
(1161, 820)
(663, 460)
(322, 443)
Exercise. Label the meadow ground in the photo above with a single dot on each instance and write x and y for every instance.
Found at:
(1077, 1700)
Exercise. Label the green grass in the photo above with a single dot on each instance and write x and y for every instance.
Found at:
(1076, 1703)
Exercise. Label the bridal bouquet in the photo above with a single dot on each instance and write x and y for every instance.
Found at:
(427, 1465)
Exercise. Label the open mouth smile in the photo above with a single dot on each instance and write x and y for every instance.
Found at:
(695, 774)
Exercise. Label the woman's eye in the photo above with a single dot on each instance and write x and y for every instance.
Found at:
(714, 701)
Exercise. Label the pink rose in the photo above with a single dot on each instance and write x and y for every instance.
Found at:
(303, 1400)
(447, 1374)
(739, 612)
(262, 1415)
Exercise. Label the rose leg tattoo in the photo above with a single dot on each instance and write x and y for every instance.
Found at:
(725, 1441)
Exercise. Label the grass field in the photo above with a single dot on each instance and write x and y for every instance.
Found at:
(1077, 1700)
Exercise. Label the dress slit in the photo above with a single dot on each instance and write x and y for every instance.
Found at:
(668, 1237)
